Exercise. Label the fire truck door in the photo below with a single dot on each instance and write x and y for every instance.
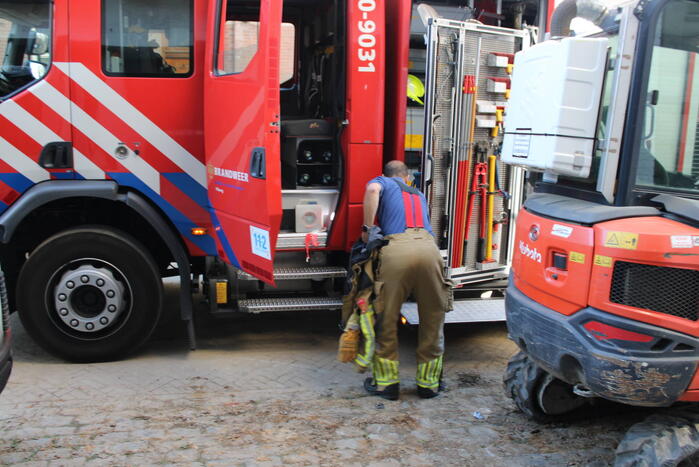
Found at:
(241, 132)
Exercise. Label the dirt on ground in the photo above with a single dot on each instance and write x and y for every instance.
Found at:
(267, 390)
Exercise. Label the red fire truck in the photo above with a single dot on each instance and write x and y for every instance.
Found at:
(227, 142)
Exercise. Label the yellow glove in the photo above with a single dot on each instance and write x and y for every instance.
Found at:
(349, 346)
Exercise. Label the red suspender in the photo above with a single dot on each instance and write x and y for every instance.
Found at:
(408, 207)
(413, 210)
(417, 205)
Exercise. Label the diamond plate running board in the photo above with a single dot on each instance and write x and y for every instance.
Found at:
(465, 311)
(260, 305)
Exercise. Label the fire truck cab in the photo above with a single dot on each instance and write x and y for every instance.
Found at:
(225, 141)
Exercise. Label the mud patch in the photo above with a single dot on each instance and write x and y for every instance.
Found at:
(469, 380)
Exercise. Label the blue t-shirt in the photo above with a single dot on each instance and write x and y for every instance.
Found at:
(391, 213)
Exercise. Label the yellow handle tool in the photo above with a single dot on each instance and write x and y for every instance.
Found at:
(492, 167)
(498, 123)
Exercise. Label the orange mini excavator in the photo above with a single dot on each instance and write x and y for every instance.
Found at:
(603, 301)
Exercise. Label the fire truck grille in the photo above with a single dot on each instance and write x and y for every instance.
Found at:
(672, 291)
(5, 303)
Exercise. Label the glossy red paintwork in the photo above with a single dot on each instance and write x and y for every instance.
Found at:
(202, 122)
(362, 139)
(354, 225)
(178, 106)
(365, 89)
(248, 120)
(398, 33)
(589, 284)
(532, 264)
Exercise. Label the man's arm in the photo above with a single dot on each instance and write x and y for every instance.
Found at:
(371, 205)
(371, 202)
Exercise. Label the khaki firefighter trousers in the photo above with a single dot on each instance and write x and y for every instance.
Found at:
(410, 264)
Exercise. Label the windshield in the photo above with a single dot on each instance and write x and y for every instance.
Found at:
(668, 158)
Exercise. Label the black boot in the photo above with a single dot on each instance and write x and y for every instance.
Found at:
(427, 393)
(390, 392)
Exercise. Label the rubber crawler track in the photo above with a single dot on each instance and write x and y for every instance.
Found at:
(663, 439)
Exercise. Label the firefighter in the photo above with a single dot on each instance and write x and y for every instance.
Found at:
(409, 264)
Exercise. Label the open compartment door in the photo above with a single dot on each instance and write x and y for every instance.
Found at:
(241, 125)
(473, 197)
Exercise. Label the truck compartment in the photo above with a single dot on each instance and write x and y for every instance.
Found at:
(473, 197)
(312, 110)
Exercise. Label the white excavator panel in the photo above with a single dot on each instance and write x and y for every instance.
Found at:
(552, 116)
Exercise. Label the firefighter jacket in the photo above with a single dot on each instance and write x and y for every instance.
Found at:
(360, 299)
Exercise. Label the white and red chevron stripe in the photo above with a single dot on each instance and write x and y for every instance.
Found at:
(98, 134)
(22, 163)
(104, 139)
(130, 115)
(85, 110)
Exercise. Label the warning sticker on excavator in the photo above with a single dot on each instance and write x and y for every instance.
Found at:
(604, 261)
(626, 240)
(577, 257)
(681, 241)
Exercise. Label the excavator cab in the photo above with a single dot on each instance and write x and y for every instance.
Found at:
(603, 299)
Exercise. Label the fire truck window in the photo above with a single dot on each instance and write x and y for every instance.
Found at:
(147, 38)
(669, 150)
(24, 43)
(238, 43)
(287, 54)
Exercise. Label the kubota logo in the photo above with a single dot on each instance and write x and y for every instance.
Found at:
(528, 252)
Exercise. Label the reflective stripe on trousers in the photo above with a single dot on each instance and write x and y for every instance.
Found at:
(366, 324)
(385, 371)
(429, 373)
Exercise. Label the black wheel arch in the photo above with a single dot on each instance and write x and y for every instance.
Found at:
(55, 195)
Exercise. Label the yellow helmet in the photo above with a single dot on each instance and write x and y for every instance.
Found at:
(415, 89)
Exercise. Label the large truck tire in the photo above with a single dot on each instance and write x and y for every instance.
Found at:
(90, 294)
(527, 383)
(665, 439)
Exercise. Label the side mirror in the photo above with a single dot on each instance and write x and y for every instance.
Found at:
(41, 44)
(37, 69)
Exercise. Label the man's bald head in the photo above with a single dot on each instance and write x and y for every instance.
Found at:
(395, 169)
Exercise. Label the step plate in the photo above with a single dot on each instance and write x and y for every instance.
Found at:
(465, 311)
(260, 305)
(287, 241)
(302, 272)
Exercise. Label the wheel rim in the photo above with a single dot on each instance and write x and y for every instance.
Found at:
(556, 397)
(89, 297)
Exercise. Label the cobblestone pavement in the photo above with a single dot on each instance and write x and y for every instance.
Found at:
(267, 391)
